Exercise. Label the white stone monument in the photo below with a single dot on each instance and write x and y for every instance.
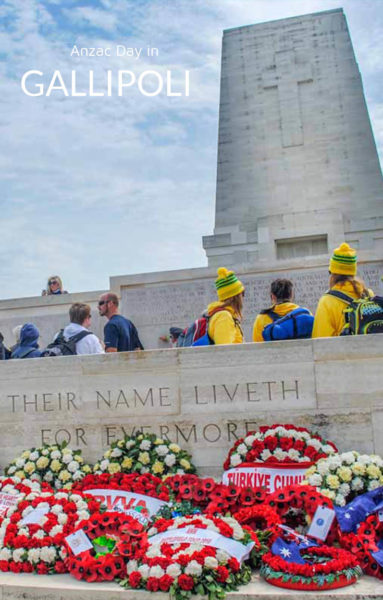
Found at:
(298, 170)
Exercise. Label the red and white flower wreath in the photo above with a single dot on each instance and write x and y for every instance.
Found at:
(327, 568)
(25, 548)
(190, 568)
(128, 541)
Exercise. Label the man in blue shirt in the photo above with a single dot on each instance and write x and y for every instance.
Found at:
(120, 335)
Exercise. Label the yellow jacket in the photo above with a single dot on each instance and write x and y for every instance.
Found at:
(222, 327)
(262, 320)
(329, 318)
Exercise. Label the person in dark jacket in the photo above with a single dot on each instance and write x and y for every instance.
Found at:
(28, 347)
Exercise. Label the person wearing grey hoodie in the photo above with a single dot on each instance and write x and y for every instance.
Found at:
(28, 346)
(80, 319)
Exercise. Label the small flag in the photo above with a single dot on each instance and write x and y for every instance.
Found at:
(321, 523)
(287, 550)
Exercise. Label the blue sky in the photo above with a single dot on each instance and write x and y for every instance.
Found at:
(96, 187)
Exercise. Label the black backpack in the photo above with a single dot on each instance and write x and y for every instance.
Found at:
(62, 347)
(362, 316)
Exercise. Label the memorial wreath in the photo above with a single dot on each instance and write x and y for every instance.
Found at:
(344, 476)
(58, 465)
(324, 568)
(262, 519)
(212, 497)
(114, 539)
(367, 545)
(145, 453)
(148, 485)
(32, 532)
(296, 506)
(184, 557)
(278, 443)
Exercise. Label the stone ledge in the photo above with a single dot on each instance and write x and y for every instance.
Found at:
(64, 587)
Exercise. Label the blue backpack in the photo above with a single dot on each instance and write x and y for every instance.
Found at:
(297, 324)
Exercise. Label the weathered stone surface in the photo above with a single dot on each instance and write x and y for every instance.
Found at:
(201, 398)
(64, 587)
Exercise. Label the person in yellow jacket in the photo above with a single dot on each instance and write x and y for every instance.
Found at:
(281, 294)
(225, 315)
(329, 317)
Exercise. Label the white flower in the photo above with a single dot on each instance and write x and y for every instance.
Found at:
(365, 459)
(293, 454)
(222, 556)
(249, 440)
(12, 469)
(34, 555)
(265, 454)
(357, 484)
(162, 450)
(104, 464)
(373, 485)
(334, 462)
(144, 470)
(5, 553)
(193, 568)
(242, 449)
(344, 489)
(170, 460)
(78, 475)
(144, 570)
(156, 571)
(154, 550)
(24, 531)
(315, 480)
(145, 445)
(314, 443)
(83, 514)
(130, 443)
(116, 453)
(55, 455)
(67, 458)
(235, 460)
(348, 458)
(55, 530)
(35, 477)
(131, 566)
(322, 467)
(340, 500)
(279, 454)
(34, 456)
(173, 570)
(18, 554)
(44, 506)
(210, 562)
(57, 509)
(48, 476)
(62, 496)
(40, 534)
(20, 462)
(48, 554)
(73, 466)
(327, 449)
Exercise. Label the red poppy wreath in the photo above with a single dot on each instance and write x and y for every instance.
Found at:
(325, 568)
(296, 506)
(115, 539)
(367, 545)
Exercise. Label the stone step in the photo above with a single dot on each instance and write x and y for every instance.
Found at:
(64, 587)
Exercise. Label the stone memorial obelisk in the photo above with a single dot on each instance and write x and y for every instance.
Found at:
(298, 171)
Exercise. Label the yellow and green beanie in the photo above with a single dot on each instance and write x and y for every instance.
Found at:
(343, 260)
(227, 284)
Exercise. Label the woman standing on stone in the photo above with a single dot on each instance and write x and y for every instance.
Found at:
(225, 315)
(54, 287)
(329, 317)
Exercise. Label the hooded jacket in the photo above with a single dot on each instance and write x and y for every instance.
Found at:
(264, 319)
(222, 327)
(90, 344)
(28, 346)
(329, 316)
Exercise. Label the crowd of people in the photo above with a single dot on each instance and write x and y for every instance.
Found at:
(221, 322)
